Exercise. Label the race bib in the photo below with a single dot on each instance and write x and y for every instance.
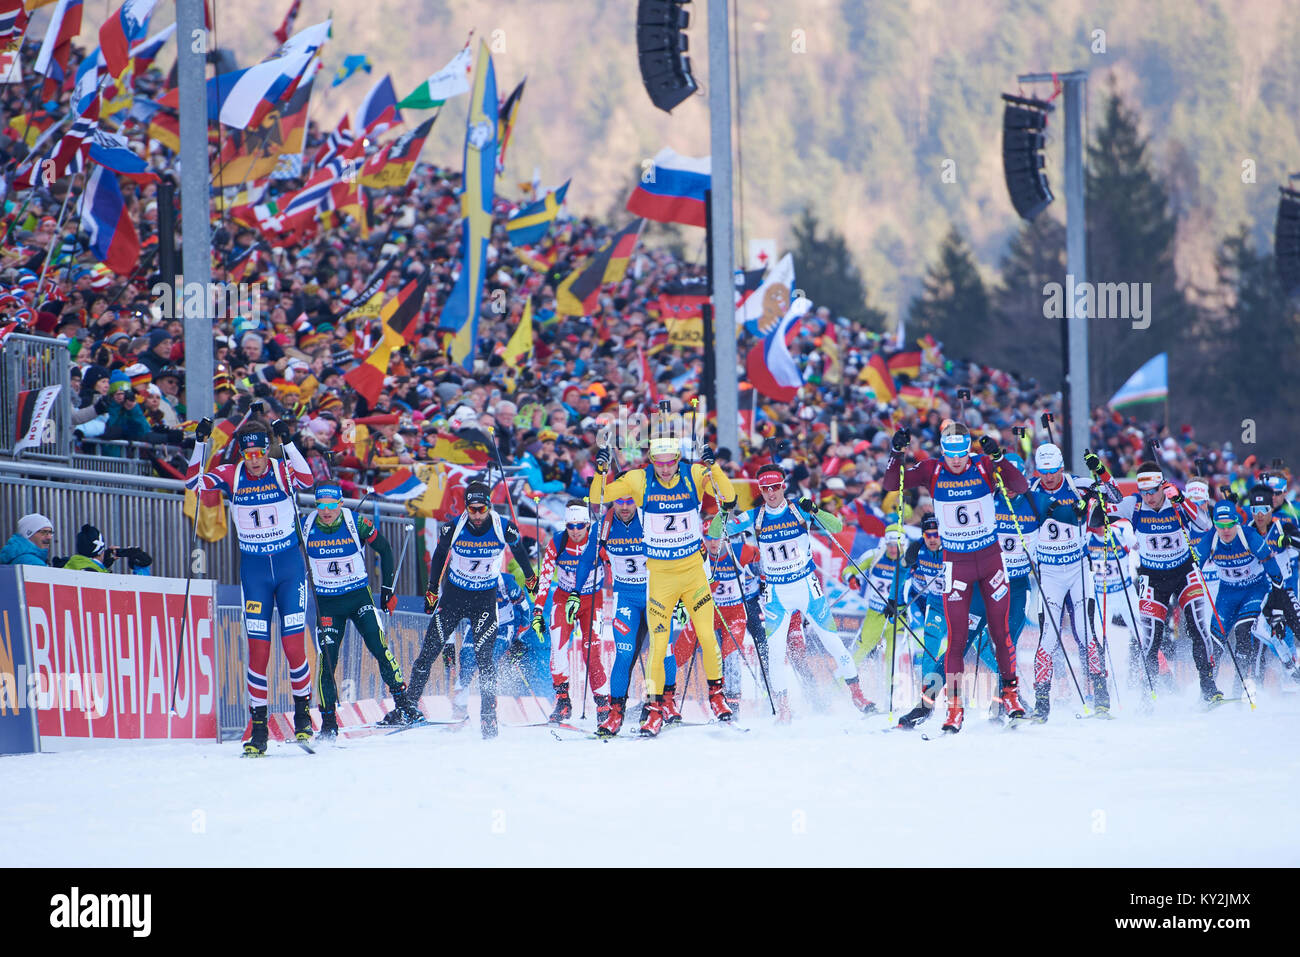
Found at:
(671, 530)
(628, 569)
(783, 558)
(270, 520)
(967, 521)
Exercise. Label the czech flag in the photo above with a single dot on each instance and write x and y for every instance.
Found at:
(127, 27)
(113, 238)
(771, 368)
(672, 190)
(379, 109)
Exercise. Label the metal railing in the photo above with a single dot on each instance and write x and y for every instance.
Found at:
(34, 362)
(147, 512)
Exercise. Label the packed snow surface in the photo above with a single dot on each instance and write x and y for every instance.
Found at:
(1178, 787)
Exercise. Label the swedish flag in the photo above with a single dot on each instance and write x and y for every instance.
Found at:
(481, 142)
(530, 224)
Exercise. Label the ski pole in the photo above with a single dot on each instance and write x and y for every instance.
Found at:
(1060, 640)
(717, 495)
(586, 675)
(1113, 546)
(1188, 540)
(189, 570)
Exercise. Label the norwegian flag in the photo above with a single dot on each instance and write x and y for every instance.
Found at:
(68, 155)
(13, 21)
(338, 142)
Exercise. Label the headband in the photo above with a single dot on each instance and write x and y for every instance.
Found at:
(576, 514)
(1147, 481)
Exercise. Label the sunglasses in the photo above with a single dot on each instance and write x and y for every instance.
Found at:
(576, 525)
(1227, 524)
(328, 502)
(478, 509)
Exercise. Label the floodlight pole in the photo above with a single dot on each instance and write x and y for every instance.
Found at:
(722, 277)
(1075, 86)
(196, 202)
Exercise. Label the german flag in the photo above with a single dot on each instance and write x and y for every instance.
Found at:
(254, 152)
(921, 399)
(400, 313)
(579, 293)
(876, 374)
(392, 165)
(905, 363)
(211, 525)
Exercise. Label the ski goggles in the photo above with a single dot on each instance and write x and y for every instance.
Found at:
(955, 446)
(1149, 481)
(576, 516)
(1261, 509)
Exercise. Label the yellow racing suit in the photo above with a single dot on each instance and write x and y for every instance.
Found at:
(674, 554)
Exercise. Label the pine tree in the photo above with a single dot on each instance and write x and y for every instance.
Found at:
(828, 274)
(1130, 239)
(1244, 346)
(954, 304)
(1021, 339)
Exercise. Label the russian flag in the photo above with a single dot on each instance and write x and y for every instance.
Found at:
(379, 109)
(121, 31)
(771, 368)
(113, 238)
(111, 150)
(675, 191)
(400, 486)
(262, 86)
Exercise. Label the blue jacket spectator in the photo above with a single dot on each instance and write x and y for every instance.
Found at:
(30, 545)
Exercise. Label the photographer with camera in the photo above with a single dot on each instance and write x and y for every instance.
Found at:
(93, 554)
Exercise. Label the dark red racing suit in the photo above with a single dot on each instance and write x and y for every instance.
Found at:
(964, 504)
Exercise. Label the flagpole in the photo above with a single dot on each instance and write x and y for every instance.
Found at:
(81, 211)
(54, 241)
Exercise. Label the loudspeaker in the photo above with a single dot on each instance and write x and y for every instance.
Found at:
(1286, 240)
(661, 51)
(1023, 139)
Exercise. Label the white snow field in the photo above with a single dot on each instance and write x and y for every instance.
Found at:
(1179, 787)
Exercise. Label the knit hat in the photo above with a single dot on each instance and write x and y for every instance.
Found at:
(90, 542)
(118, 381)
(157, 337)
(139, 374)
(35, 522)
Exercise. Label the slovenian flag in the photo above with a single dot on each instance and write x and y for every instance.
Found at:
(104, 217)
(261, 87)
(125, 28)
(771, 368)
(672, 190)
(400, 486)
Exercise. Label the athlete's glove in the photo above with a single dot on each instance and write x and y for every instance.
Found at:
(387, 597)
(282, 431)
(729, 505)
(604, 459)
(707, 456)
(680, 614)
(530, 583)
(430, 600)
(808, 505)
(990, 447)
(539, 625)
(891, 609)
(1172, 493)
(902, 438)
(571, 606)
(1227, 493)
(203, 430)
(1091, 459)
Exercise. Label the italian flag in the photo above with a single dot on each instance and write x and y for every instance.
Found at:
(451, 80)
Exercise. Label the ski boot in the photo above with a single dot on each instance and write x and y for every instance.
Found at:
(718, 701)
(1211, 694)
(859, 699)
(302, 717)
(255, 746)
(918, 715)
(1100, 696)
(613, 722)
(563, 706)
(1015, 708)
(654, 722)
(602, 707)
(405, 711)
(783, 708)
(1042, 702)
(487, 721)
(733, 702)
(668, 703)
(329, 726)
(956, 713)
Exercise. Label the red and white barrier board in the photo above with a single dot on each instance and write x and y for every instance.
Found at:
(103, 654)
